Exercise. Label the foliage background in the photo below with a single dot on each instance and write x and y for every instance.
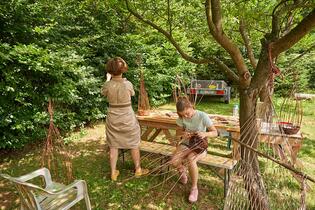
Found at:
(57, 49)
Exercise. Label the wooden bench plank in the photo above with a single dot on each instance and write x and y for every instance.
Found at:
(168, 150)
(304, 96)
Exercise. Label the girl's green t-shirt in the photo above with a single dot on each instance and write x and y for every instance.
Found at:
(200, 121)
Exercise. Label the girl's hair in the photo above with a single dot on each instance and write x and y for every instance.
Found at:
(116, 66)
(182, 104)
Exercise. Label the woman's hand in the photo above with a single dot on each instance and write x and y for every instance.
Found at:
(108, 76)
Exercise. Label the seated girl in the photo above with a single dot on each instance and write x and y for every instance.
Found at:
(196, 125)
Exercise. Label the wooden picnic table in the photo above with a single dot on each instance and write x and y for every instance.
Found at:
(277, 140)
(163, 121)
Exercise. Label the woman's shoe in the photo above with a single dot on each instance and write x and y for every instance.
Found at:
(193, 197)
(115, 175)
(141, 172)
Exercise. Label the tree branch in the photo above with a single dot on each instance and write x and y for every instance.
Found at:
(213, 14)
(184, 55)
(275, 25)
(301, 55)
(289, 23)
(248, 45)
(226, 70)
(216, 14)
(169, 16)
(277, 13)
(297, 33)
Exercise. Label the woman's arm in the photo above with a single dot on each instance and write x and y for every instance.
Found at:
(108, 77)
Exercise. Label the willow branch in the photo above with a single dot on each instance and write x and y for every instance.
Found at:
(248, 45)
(295, 35)
(285, 165)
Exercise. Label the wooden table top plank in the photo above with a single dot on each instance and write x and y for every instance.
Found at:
(228, 123)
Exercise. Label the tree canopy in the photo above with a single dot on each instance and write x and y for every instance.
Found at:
(58, 50)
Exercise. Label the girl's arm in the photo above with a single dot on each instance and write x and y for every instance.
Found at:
(211, 132)
(182, 133)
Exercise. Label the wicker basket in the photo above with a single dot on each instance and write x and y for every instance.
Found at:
(288, 128)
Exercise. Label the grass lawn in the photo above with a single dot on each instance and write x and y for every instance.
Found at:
(90, 162)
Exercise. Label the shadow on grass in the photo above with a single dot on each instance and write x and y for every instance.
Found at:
(90, 162)
(308, 148)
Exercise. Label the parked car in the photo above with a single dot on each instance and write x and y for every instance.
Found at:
(210, 87)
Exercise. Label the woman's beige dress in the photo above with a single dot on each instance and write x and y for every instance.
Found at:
(122, 127)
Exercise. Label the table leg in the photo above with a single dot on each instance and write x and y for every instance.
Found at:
(277, 148)
(236, 152)
(155, 134)
(295, 149)
(227, 174)
(146, 133)
(169, 136)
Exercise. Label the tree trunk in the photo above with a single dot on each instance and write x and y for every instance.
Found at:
(265, 97)
(249, 159)
(264, 94)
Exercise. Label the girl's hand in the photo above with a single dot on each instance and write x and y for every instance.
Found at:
(202, 134)
(108, 76)
(186, 135)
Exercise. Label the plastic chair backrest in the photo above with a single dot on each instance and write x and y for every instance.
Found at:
(27, 192)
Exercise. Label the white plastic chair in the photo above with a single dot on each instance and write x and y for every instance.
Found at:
(52, 196)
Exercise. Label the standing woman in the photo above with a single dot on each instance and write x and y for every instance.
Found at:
(122, 127)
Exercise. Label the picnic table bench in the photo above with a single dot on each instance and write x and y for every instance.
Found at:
(211, 160)
(304, 96)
